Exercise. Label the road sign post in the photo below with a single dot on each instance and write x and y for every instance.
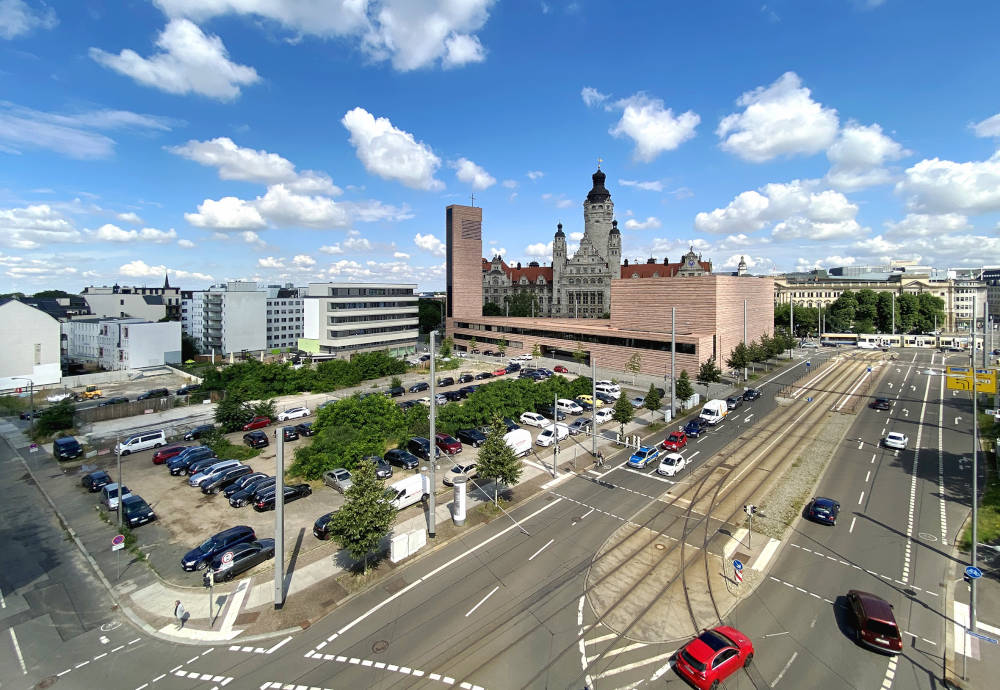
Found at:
(117, 544)
(738, 570)
(749, 509)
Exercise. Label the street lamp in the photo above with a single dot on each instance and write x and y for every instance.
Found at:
(31, 389)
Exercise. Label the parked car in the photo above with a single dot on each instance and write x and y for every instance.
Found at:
(117, 400)
(305, 429)
(448, 444)
(707, 660)
(674, 441)
(638, 401)
(671, 464)
(321, 528)
(874, 624)
(734, 401)
(606, 398)
(248, 493)
(291, 493)
(453, 396)
(551, 434)
(289, 433)
(459, 471)
(533, 419)
(154, 438)
(421, 447)
(896, 440)
(396, 391)
(243, 482)
(580, 425)
(339, 479)
(154, 393)
(446, 381)
(256, 439)
(189, 389)
(500, 372)
(880, 404)
(589, 400)
(466, 378)
(560, 369)
(551, 412)
(642, 457)
(202, 471)
(696, 427)
(510, 424)
(135, 511)
(180, 462)
(199, 431)
(400, 458)
(240, 558)
(472, 437)
(512, 367)
(751, 394)
(257, 423)
(201, 556)
(161, 456)
(483, 375)
(110, 495)
(220, 480)
(95, 481)
(584, 405)
(419, 387)
(603, 415)
(383, 470)
(823, 510)
(568, 406)
(489, 353)
(292, 413)
(66, 448)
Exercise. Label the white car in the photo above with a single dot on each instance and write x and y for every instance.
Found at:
(526, 357)
(59, 397)
(424, 401)
(534, 419)
(671, 464)
(603, 415)
(610, 384)
(896, 440)
(550, 434)
(293, 413)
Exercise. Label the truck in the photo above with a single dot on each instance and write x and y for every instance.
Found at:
(519, 441)
(90, 393)
(410, 490)
(714, 411)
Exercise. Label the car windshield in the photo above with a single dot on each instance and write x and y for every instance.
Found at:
(698, 666)
(669, 460)
(882, 629)
(207, 545)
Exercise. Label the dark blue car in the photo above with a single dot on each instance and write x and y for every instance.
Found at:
(695, 427)
(824, 510)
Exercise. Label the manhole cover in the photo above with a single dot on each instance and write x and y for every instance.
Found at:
(380, 646)
(660, 547)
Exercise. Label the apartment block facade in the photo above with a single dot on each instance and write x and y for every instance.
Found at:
(225, 318)
(344, 318)
(114, 344)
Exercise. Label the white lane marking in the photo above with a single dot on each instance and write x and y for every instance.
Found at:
(20, 657)
(602, 638)
(851, 530)
(868, 476)
(3, 602)
(278, 646)
(861, 444)
(791, 586)
(587, 513)
(861, 497)
(660, 671)
(890, 673)
(748, 418)
(637, 664)
(482, 601)
(907, 552)
(579, 611)
(819, 554)
(941, 493)
(541, 549)
(782, 674)
(618, 650)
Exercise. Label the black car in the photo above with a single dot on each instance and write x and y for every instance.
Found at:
(605, 398)
(94, 481)
(199, 466)
(239, 558)
(199, 431)
(179, 463)
(751, 394)
(265, 501)
(403, 459)
(472, 437)
(468, 390)
(419, 387)
(695, 427)
(200, 556)
(421, 447)
(823, 510)
(255, 439)
(510, 424)
(188, 389)
(135, 511)
(154, 393)
(734, 401)
(396, 391)
(321, 528)
(289, 433)
(383, 470)
(483, 375)
(453, 396)
(404, 405)
(466, 378)
(221, 480)
(533, 375)
(248, 493)
(587, 407)
(552, 413)
(513, 366)
(243, 482)
(113, 401)
(66, 448)
(489, 353)
(546, 373)
(880, 404)
(446, 381)
(305, 429)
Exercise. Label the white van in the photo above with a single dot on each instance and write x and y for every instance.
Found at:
(568, 406)
(714, 411)
(406, 492)
(142, 441)
(609, 389)
(519, 441)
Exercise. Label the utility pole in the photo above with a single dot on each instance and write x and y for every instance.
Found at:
(594, 401)
(279, 520)
(118, 453)
(432, 446)
(673, 362)
(746, 376)
(975, 478)
(555, 435)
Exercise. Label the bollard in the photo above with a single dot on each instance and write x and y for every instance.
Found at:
(458, 506)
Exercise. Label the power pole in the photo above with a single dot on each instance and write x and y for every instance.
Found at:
(593, 400)
(555, 435)
(118, 453)
(673, 362)
(432, 446)
(279, 520)
(746, 376)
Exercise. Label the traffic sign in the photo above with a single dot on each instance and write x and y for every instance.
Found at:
(739, 576)
(960, 379)
(981, 636)
(738, 565)
(118, 542)
(973, 572)
(227, 560)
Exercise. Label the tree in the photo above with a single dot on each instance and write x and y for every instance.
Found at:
(578, 354)
(232, 413)
(883, 309)
(623, 413)
(758, 352)
(653, 399)
(634, 365)
(523, 303)
(497, 461)
(536, 351)
(447, 345)
(366, 517)
(708, 372)
(473, 345)
(683, 388)
(55, 418)
(492, 309)
(395, 382)
(739, 358)
(502, 346)
(51, 294)
(429, 314)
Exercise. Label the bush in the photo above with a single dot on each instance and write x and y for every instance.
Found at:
(55, 418)
(224, 448)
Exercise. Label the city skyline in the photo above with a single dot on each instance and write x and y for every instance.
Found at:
(297, 144)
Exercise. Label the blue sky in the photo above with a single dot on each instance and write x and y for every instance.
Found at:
(310, 140)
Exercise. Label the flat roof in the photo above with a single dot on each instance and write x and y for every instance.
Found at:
(591, 326)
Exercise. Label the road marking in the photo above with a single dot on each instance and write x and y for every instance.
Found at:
(17, 650)
(765, 556)
(851, 530)
(890, 672)
(540, 550)
(791, 586)
(868, 476)
(782, 674)
(587, 513)
(602, 638)
(618, 650)
(278, 646)
(692, 456)
(660, 671)
(637, 664)
(482, 601)
(941, 493)
(866, 570)
(861, 497)
(861, 444)
(913, 487)
(3, 602)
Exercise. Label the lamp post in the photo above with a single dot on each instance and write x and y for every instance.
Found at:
(432, 448)
(31, 392)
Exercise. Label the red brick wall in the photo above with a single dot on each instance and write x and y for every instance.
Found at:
(464, 273)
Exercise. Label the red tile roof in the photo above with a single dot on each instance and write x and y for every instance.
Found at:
(515, 274)
(643, 270)
(662, 270)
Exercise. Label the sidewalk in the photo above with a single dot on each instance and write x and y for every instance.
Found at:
(972, 662)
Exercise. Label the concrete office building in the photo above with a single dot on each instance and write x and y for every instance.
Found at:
(285, 317)
(119, 301)
(30, 348)
(344, 318)
(113, 344)
(226, 318)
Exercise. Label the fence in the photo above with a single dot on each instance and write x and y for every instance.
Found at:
(90, 415)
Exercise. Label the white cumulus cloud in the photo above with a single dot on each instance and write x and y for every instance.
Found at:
(228, 213)
(653, 128)
(990, 127)
(650, 223)
(592, 96)
(185, 244)
(647, 186)
(926, 225)
(858, 157)
(472, 174)
(400, 255)
(30, 227)
(17, 18)
(331, 249)
(535, 175)
(303, 260)
(942, 186)
(140, 269)
(429, 243)
(539, 249)
(391, 153)
(113, 233)
(270, 262)
(130, 217)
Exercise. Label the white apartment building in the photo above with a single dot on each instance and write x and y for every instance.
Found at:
(114, 344)
(225, 318)
(344, 318)
(29, 350)
(285, 317)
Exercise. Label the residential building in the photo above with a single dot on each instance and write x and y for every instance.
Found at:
(285, 318)
(344, 318)
(30, 349)
(113, 344)
(60, 308)
(990, 275)
(226, 318)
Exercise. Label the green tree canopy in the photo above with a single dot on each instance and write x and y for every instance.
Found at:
(491, 309)
(523, 303)
(739, 357)
(652, 400)
(708, 372)
(366, 516)
(429, 313)
(622, 413)
(497, 461)
(683, 388)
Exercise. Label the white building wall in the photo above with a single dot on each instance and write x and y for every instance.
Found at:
(151, 344)
(127, 305)
(244, 321)
(30, 347)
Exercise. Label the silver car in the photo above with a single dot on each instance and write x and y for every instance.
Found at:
(339, 479)
(199, 478)
(896, 440)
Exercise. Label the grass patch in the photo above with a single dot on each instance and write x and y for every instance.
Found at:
(131, 543)
(989, 517)
(224, 448)
(654, 426)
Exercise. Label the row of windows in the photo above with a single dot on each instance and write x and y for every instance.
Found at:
(284, 311)
(617, 341)
(364, 319)
(369, 292)
(336, 306)
(367, 331)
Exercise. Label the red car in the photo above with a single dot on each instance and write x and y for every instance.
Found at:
(560, 369)
(713, 656)
(447, 444)
(500, 372)
(164, 454)
(675, 441)
(257, 423)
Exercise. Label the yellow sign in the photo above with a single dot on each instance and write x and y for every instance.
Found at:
(960, 379)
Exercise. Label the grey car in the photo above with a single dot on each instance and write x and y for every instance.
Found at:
(339, 479)
(581, 425)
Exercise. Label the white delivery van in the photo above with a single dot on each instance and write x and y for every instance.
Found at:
(568, 406)
(143, 441)
(519, 441)
(714, 411)
(609, 389)
(408, 491)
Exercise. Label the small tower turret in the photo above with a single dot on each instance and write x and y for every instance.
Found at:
(615, 250)
(558, 264)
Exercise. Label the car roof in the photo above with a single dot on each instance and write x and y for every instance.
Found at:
(875, 606)
(824, 502)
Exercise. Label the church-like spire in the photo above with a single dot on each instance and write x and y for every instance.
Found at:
(598, 192)
(166, 281)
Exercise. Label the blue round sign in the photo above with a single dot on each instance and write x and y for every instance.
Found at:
(973, 572)
(738, 565)
(808, 364)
